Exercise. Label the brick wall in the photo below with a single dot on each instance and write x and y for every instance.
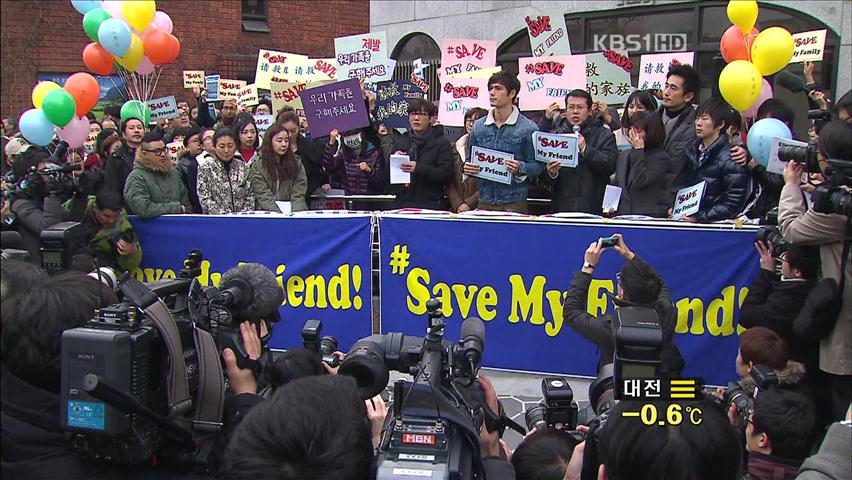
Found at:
(47, 36)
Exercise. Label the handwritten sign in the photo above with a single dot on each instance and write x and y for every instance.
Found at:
(608, 76)
(548, 34)
(324, 69)
(211, 84)
(364, 57)
(419, 82)
(230, 88)
(336, 105)
(175, 149)
(688, 201)
(492, 163)
(397, 176)
(545, 80)
(808, 46)
(392, 99)
(776, 165)
(654, 68)
(165, 107)
(464, 55)
(273, 65)
(460, 95)
(247, 96)
(287, 93)
(193, 78)
(262, 123)
(561, 147)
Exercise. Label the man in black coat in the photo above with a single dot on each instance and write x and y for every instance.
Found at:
(119, 165)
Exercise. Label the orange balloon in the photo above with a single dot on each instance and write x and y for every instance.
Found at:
(161, 47)
(97, 59)
(85, 90)
(735, 46)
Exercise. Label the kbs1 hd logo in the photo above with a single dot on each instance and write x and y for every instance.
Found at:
(649, 42)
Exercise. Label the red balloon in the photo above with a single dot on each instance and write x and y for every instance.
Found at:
(85, 90)
(735, 46)
(161, 47)
(97, 59)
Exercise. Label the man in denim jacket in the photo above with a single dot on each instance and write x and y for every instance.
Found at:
(506, 130)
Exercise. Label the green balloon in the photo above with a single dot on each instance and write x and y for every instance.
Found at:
(136, 109)
(92, 22)
(59, 107)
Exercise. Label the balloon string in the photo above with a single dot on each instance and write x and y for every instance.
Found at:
(157, 81)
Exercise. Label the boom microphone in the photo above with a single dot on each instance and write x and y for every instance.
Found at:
(792, 82)
(473, 339)
(252, 292)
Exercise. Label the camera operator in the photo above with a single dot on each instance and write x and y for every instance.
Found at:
(801, 226)
(107, 234)
(638, 285)
(834, 459)
(543, 455)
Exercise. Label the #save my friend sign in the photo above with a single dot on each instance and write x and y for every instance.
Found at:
(460, 95)
(545, 80)
(563, 148)
(492, 163)
(165, 107)
(688, 201)
(464, 55)
(548, 34)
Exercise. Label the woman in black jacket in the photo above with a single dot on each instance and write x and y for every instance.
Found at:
(641, 171)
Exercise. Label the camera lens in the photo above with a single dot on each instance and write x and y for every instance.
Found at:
(534, 416)
(793, 152)
(328, 345)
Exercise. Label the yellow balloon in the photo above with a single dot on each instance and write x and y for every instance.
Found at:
(41, 90)
(772, 50)
(134, 54)
(743, 13)
(740, 83)
(139, 13)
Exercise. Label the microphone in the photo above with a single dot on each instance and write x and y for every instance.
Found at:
(576, 129)
(792, 82)
(251, 291)
(473, 339)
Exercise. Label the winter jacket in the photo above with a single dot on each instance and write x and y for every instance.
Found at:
(728, 184)
(680, 133)
(100, 242)
(834, 459)
(344, 164)
(187, 166)
(150, 193)
(434, 170)
(791, 377)
(117, 169)
(311, 157)
(35, 216)
(641, 174)
(461, 190)
(581, 189)
(771, 467)
(266, 192)
(225, 187)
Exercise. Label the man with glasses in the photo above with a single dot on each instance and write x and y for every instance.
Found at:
(580, 189)
(154, 187)
(187, 164)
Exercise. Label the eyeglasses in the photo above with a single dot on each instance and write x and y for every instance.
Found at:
(576, 108)
(157, 151)
(418, 114)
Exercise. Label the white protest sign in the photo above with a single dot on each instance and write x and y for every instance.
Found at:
(193, 78)
(397, 176)
(808, 46)
(230, 88)
(211, 84)
(655, 67)
(165, 107)
(272, 65)
(247, 96)
(776, 165)
(688, 200)
(492, 163)
(612, 195)
(548, 34)
(608, 76)
(561, 147)
(262, 123)
(175, 150)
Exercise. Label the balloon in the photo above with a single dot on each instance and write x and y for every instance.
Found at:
(735, 46)
(35, 127)
(114, 36)
(163, 22)
(135, 109)
(84, 6)
(740, 84)
(92, 22)
(131, 59)
(139, 13)
(765, 94)
(59, 107)
(772, 50)
(145, 67)
(161, 47)
(97, 59)
(113, 7)
(85, 90)
(761, 135)
(41, 90)
(75, 132)
(743, 13)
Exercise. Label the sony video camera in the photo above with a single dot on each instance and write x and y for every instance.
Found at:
(557, 409)
(325, 346)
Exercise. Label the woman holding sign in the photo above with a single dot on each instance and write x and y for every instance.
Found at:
(641, 171)
(277, 177)
(357, 162)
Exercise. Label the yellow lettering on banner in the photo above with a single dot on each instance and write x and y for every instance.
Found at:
(418, 291)
(485, 301)
(726, 306)
(279, 272)
(529, 303)
(742, 297)
(338, 289)
(295, 287)
(315, 289)
(555, 298)
(597, 299)
(685, 308)
(464, 296)
(441, 291)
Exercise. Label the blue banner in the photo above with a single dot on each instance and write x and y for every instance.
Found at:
(322, 262)
(512, 275)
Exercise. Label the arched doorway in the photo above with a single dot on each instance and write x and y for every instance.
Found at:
(411, 47)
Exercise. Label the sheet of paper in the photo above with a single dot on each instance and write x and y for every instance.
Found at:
(397, 176)
(612, 196)
(285, 207)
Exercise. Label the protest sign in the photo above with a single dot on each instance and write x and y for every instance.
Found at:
(211, 84)
(165, 107)
(193, 78)
(492, 163)
(655, 66)
(392, 99)
(548, 80)
(419, 82)
(247, 96)
(90, 143)
(552, 146)
(776, 165)
(287, 93)
(175, 150)
(484, 73)
(808, 46)
(262, 123)
(324, 68)
(612, 195)
(363, 56)
(397, 176)
(688, 200)
(548, 34)
(460, 95)
(464, 55)
(274, 65)
(608, 76)
(230, 88)
(336, 105)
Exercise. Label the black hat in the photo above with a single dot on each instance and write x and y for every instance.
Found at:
(191, 132)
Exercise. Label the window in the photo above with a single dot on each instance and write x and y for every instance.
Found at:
(255, 13)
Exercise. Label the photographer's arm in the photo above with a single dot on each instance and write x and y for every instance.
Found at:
(494, 462)
(799, 225)
(242, 383)
(35, 218)
(575, 309)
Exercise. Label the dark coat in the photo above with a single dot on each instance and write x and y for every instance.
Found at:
(678, 138)
(118, 168)
(771, 467)
(34, 216)
(188, 168)
(433, 172)
(728, 184)
(353, 180)
(582, 189)
(641, 174)
(311, 157)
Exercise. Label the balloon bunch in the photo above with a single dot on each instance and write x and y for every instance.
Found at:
(750, 57)
(61, 110)
(133, 37)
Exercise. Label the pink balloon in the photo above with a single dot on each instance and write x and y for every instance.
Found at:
(163, 22)
(113, 8)
(765, 94)
(145, 66)
(75, 132)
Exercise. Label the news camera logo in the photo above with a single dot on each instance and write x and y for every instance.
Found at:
(649, 42)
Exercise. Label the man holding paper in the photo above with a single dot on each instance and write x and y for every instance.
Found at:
(506, 131)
